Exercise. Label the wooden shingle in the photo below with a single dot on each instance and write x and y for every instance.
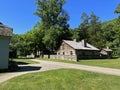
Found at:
(5, 30)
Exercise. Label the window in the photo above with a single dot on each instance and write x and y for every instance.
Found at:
(58, 53)
(63, 53)
(71, 53)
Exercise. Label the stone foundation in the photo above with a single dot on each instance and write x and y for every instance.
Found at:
(63, 57)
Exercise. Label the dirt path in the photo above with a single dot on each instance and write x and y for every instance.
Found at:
(50, 65)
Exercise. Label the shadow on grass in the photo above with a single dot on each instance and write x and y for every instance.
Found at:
(21, 63)
(19, 67)
(28, 68)
(25, 58)
(22, 69)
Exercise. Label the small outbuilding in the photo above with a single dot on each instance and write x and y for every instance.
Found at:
(5, 35)
(106, 53)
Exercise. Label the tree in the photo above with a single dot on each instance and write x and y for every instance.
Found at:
(82, 31)
(108, 34)
(16, 44)
(13, 46)
(34, 39)
(51, 39)
(117, 10)
(49, 11)
(84, 26)
(117, 27)
(76, 34)
(95, 32)
(54, 19)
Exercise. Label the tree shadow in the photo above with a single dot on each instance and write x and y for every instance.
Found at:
(28, 68)
(21, 63)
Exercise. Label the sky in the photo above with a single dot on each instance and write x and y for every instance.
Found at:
(19, 14)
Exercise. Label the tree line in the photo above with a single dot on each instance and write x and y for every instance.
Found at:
(47, 34)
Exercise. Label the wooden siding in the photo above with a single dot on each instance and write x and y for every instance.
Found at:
(86, 54)
(4, 52)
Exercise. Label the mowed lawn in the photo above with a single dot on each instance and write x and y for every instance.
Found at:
(24, 61)
(63, 79)
(109, 63)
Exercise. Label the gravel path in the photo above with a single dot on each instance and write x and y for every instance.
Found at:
(50, 65)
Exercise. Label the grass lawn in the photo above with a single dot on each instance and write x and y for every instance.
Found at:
(110, 63)
(24, 61)
(63, 79)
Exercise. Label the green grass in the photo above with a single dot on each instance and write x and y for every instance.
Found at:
(109, 63)
(24, 61)
(63, 79)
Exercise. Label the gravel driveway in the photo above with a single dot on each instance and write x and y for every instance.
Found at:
(50, 65)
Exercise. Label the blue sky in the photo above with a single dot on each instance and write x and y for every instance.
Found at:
(18, 14)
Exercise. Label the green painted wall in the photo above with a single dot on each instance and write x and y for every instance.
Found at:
(4, 52)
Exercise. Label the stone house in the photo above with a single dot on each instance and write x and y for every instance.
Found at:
(74, 50)
(5, 35)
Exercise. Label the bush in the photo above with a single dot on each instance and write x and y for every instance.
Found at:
(116, 52)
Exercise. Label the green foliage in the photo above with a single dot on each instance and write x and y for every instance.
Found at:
(24, 61)
(15, 45)
(76, 34)
(82, 31)
(25, 44)
(89, 29)
(116, 52)
(51, 38)
(111, 33)
(54, 22)
(117, 10)
(95, 32)
(47, 35)
(49, 11)
(83, 28)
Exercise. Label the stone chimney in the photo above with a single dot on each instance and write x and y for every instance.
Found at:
(84, 43)
(75, 40)
(107, 47)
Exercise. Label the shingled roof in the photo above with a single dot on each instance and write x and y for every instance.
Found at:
(5, 30)
(80, 45)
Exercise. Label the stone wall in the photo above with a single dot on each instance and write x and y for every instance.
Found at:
(66, 50)
(62, 57)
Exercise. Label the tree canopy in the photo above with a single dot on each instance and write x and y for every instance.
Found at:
(47, 34)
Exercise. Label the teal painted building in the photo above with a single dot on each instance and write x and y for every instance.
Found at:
(5, 35)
